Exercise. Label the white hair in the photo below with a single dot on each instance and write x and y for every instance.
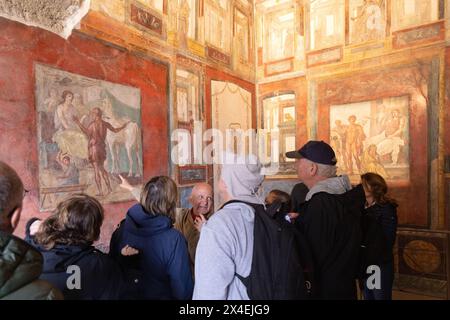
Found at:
(325, 170)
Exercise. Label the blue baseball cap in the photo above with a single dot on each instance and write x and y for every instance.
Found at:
(315, 151)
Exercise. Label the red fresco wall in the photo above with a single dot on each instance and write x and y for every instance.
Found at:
(412, 195)
(20, 48)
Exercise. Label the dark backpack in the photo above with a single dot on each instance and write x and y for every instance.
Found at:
(282, 264)
(374, 246)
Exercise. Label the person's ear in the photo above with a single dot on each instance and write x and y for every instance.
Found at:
(191, 199)
(15, 217)
(313, 169)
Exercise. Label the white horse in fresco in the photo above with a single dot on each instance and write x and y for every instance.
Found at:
(130, 138)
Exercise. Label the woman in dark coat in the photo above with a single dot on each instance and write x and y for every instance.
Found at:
(161, 267)
(382, 209)
(71, 263)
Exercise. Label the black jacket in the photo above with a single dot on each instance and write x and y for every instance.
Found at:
(386, 215)
(331, 226)
(101, 277)
(20, 267)
(298, 195)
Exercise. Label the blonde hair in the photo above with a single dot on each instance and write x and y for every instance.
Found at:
(76, 221)
(159, 196)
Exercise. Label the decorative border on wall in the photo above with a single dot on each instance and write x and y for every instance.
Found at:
(145, 19)
(419, 35)
(192, 174)
(324, 56)
(281, 66)
(218, 56)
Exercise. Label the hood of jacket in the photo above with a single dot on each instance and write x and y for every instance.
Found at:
(140, 224)
(60, 257)
(335, 185)
(20, 263)
(242, 176)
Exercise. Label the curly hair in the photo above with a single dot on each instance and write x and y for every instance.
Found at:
(159, 196)
(76, 221)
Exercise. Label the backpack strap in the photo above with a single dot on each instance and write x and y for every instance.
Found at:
(270, 210)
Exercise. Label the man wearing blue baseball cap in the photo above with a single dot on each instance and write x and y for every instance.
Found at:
(332, 233)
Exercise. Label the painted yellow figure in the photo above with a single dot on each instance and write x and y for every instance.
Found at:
(371, 162)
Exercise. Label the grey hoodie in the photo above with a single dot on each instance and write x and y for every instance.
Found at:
(225, 246)
(336, 185)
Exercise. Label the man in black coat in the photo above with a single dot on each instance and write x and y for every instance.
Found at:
(20, 263)
(329, 219)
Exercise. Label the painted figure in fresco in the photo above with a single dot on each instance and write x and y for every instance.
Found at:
(183, 23)
(47, 148)
(69, 138)
(52, 101)
(368, 23)
(392, 135)
(96, 133)
(340, 132)
(371, 162)
(243, 56)
(354, 143)
(288, 43)
(70, 173)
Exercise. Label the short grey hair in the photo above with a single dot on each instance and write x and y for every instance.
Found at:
(325, 170)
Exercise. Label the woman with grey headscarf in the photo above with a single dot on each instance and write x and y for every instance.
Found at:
(225, 247)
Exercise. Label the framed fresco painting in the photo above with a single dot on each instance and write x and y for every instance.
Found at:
(367, 20)
(74, 153)
(191, 174)
(372, 136)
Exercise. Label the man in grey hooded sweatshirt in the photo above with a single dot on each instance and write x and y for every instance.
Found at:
(330, 220)
(225, 247)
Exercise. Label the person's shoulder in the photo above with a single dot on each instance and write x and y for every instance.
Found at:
(388, 208)
(299, 187)
(230, 214)
(322, 197)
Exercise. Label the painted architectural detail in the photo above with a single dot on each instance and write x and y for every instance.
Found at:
(324, 56)
(146, 19)
(419, 35)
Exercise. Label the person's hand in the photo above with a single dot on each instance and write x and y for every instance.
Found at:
(125, 184)
(129, 251)
(293, 216)
(35, 227)
(199, 221)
